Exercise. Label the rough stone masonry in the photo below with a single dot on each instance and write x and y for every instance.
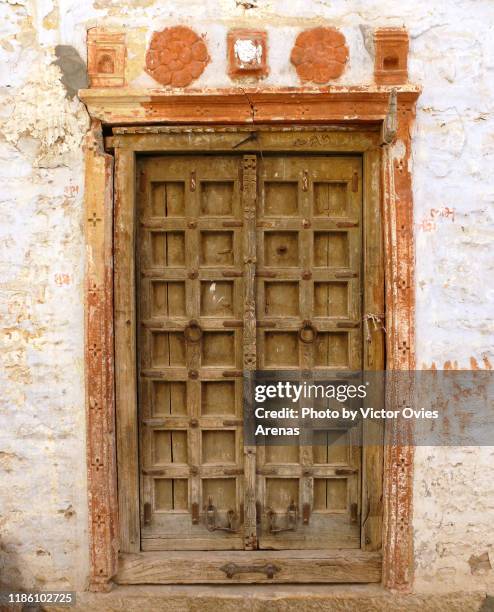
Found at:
(43, 508)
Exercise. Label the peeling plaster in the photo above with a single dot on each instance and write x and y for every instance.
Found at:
(43, 124)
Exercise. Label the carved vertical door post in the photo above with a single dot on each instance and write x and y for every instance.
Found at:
(99, 361)
(400, 326)
(249, 198)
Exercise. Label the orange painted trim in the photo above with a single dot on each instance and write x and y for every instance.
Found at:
(100, 403)
(399, 248)
(362, 104)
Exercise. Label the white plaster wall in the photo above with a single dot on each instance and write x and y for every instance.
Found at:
(43, 506)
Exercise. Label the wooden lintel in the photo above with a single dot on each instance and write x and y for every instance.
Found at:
(341, 104)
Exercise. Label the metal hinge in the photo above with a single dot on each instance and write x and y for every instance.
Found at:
(291, 519)
(147, 513)
(211, 517)
(195, 513)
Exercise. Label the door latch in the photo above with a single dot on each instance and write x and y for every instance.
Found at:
(291, 519)
(211, 516)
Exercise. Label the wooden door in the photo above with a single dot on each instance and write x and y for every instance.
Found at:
(308, 313)
(244, 262)
(190, 302)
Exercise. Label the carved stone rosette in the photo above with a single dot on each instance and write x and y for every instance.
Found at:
(319, 54)
(176, 56)
(101, 459)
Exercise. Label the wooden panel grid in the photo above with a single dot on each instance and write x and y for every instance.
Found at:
(308, 288)
(230, 282)
(190, 301)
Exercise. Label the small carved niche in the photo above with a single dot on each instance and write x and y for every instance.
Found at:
(391, 61)
(106, 58)
(106, 65)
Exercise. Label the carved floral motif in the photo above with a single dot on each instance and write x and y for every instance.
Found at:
(176, 56)
(319, 54)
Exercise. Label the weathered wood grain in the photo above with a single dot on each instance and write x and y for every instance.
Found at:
(292, 566)
(125, 352)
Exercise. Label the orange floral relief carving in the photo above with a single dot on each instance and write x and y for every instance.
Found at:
(319, 54)
(176, 56)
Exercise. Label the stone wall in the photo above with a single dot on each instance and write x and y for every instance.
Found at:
(43, 520)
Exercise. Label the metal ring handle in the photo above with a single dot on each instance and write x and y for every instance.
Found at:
(193, 331)
(307, 333)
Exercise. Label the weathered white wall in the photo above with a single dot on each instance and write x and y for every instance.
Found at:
(43, 506)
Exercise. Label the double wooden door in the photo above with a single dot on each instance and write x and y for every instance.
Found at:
(244, 262)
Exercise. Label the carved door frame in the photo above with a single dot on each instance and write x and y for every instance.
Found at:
(347, 107)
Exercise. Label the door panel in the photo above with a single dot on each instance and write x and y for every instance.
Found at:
(308, 311)
(190, 299)
(244, 262)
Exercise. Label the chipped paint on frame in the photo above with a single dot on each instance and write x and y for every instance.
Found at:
(101, 460)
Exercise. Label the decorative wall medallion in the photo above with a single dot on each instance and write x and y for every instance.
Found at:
(105, 58)
(391, 59)
(247, 53)
(176, 56)
(319, 55)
